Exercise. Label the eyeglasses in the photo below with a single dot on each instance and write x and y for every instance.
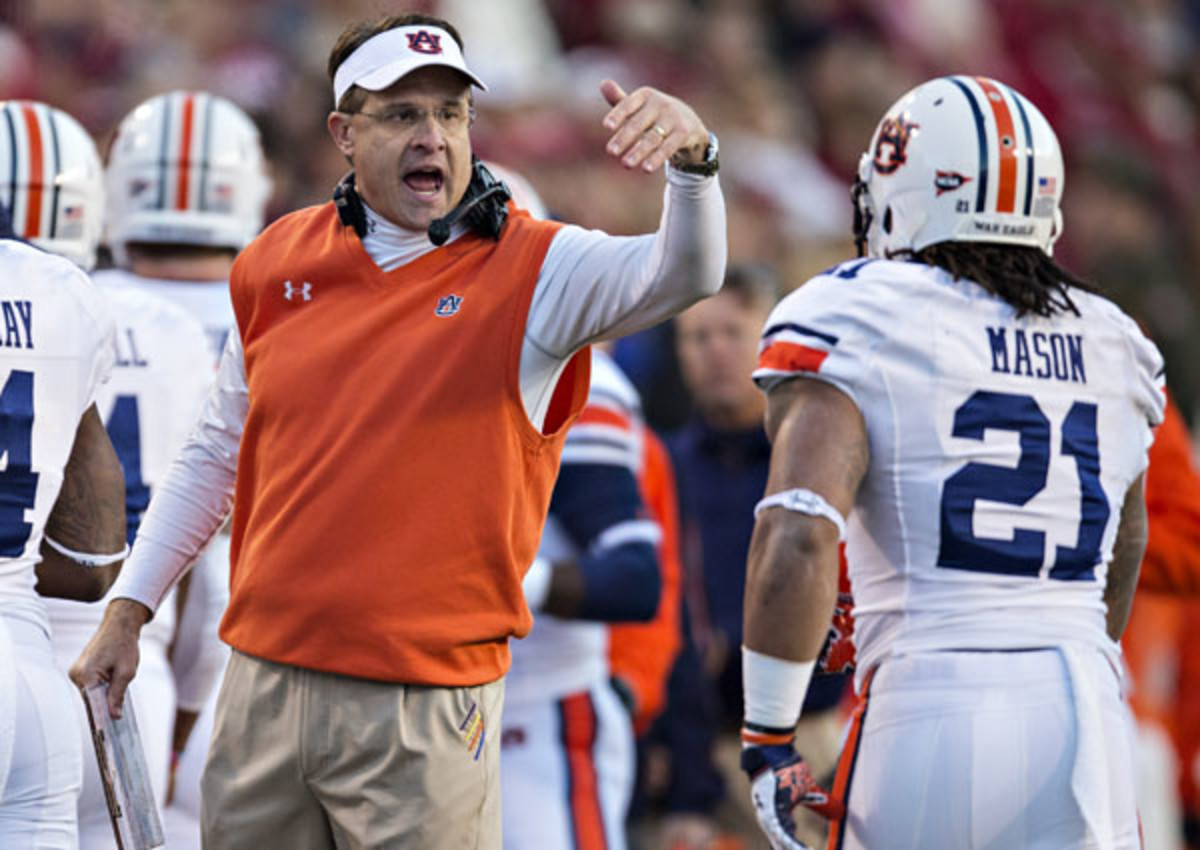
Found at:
(452, 119)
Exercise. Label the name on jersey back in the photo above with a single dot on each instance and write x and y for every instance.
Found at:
(128, 354)
(18, 323)
(1037, 354)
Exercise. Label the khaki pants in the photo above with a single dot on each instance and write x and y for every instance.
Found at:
(305, 760)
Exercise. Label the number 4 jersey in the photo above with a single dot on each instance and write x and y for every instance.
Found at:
(1001, 450)
(56, 348)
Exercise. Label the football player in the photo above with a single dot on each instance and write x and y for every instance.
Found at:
(568, 760)
(974, 421)
(62, 520)
(175, 227)
(161, 373)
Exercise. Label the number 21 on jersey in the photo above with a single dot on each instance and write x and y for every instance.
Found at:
(1022, 555)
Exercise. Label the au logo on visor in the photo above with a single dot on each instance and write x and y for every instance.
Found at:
(424, 41)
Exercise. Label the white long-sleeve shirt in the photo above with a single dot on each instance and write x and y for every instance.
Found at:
(591, 286)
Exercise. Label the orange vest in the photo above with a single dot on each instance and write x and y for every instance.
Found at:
(391, 490)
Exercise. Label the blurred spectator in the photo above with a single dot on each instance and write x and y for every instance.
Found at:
(1122, 233)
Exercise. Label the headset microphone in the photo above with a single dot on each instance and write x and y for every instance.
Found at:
(484, 206)
(439, 228)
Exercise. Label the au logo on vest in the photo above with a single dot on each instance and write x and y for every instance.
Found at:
(291, 292)
(448, 305)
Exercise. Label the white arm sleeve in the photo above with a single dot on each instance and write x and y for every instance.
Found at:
(594, 286)
(196, 495)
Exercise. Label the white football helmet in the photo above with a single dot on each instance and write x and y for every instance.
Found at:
(51, 180)
(962, 159)
(186, 168)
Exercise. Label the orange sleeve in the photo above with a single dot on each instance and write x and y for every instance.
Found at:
(1172, 560)
(1186, 727)
(641, 654)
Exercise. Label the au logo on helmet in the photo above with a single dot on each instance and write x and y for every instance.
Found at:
(424, 41)
(891, 148)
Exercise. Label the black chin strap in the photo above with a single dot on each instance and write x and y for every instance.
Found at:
(862, 215)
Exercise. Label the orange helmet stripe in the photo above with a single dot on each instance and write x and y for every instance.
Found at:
(1006, 192)
(33, 210)
(185, 151)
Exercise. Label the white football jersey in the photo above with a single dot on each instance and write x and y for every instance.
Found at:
(161, 376)
(207, 301)
(561, 656)
(55, 351)
(1001, 449)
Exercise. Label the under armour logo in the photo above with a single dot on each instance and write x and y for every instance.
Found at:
(424, 41)
(448, 305)
(289, 290)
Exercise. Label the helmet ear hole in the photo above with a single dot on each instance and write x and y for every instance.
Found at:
(886, 224)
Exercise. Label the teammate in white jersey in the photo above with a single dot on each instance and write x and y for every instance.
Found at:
(62, 521)
(568, 761)
(175, 227)
(162, 373)
(567, 742)
(974, 421)
(175, 224)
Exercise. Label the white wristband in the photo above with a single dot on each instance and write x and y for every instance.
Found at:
(774, 688)
(536, 583)
(804, 502)
(85, 559)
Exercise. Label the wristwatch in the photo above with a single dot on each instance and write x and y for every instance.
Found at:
(708, 166)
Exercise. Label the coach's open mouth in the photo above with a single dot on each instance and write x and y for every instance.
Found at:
(426, 182)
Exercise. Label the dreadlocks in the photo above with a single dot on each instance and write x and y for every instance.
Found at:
(1022, 275)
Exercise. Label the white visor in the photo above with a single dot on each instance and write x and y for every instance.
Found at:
(382, 59)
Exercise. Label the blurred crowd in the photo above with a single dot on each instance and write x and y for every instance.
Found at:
(793, 88)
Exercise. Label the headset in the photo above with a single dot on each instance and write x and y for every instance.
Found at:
(484, 206)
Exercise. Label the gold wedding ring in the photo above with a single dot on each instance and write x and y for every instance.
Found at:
(662, 134)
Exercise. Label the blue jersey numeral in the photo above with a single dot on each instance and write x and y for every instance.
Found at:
(124, 429)
(18, 482)
(1079, 441)
(960, 549)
